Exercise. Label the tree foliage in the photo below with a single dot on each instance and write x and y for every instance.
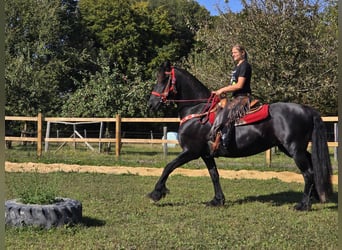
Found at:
(31, 71)
(135, 38)
(288, 48)
(41, 53)
(98, 58)
(289, 53)
(129, 32)
(108, 92)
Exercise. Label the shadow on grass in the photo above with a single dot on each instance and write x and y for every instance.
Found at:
(171, 204)
(92, 222)
(154, 153)
(282, 198)
(124, 153)
(276, 199)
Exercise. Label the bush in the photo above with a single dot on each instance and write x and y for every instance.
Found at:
(38, 191)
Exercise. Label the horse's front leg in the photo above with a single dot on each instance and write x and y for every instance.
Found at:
(160, 189)
(219, 198)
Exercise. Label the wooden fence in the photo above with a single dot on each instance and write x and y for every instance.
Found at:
(118, 120)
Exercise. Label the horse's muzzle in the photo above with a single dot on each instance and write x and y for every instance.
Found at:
(154, 105)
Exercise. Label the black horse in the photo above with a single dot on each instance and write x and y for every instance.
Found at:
(289, 126)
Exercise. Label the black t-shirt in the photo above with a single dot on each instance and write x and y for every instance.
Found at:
(242, 70)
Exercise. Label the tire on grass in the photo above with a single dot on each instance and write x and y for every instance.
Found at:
(63, 211)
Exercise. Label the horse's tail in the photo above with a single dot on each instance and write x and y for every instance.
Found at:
(321, 160)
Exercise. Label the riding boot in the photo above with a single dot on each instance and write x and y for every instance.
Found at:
(227, 135)
(214, 145)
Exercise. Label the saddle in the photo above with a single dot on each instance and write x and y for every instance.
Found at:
(209, 116)
(257, 112)
(254, 106)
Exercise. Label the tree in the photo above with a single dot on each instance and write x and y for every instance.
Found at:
(132, 38)
(326, 91)
(41, 53)
(143, 32)
(108, 92)
(31, 69)
(128, 30)
(285, 39)
(186, 18)
(287, 42)
(53, 48)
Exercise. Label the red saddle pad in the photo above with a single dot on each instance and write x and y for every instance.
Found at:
(256, 116)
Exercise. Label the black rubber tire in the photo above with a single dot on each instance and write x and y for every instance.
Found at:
(63, 211)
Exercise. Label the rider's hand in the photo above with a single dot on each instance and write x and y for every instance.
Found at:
(217, 92)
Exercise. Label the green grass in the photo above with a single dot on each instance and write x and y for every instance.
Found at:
(145, 155)
(117, 215)
(39, 190)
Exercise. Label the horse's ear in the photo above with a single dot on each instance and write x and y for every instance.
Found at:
(167, 66)
(164, 67)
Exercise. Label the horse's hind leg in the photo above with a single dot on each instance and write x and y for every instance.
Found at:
(304, 163)
(160, 190)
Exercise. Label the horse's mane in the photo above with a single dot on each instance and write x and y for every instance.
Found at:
(192, 80)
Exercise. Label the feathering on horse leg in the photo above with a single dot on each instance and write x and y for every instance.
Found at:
(160, 189)
(219, 198)
(304, 163)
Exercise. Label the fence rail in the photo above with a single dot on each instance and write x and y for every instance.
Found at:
(39, 139)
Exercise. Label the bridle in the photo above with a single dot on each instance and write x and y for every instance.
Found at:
(170, 86)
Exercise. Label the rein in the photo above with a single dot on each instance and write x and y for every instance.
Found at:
(189, 100)
(212, 101)
(171, 87)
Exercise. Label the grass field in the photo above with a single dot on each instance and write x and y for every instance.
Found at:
(117, 215)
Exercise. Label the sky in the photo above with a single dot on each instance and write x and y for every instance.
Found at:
(211, 5)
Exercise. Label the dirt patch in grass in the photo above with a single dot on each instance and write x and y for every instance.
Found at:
(143, 171)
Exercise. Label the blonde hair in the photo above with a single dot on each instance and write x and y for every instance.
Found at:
(241, 49)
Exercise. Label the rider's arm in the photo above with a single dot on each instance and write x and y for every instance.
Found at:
(232, 88)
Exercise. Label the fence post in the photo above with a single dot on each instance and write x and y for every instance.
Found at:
(165, 138)
(118, 135)
(151, 137)
(47, 135)
(100, 136)
(74, 135)
(335, 139)
(268, 157)
(39, 134)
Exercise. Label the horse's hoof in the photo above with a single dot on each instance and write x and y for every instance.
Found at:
(303, 206)
(153, 196)
(158, 195)
(215, 203)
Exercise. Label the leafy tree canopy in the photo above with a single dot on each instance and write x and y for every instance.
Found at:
(292, 47)
(98, 58)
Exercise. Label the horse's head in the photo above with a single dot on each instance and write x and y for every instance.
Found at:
(165, 86)
(176, 85)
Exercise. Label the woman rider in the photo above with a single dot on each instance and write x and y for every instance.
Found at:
(237, 107)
